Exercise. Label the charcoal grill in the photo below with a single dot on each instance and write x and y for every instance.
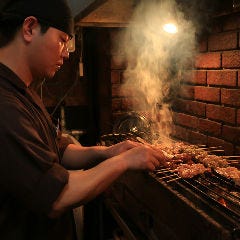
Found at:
(161, 205)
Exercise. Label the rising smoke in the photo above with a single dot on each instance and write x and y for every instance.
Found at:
(156, 60)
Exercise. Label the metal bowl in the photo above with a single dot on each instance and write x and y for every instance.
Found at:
(132, 123)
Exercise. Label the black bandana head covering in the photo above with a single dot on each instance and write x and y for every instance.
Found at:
(55, 13)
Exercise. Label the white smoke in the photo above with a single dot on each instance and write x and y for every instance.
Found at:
(156, 59)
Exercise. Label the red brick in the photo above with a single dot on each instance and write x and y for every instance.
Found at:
(209, 127)
(208, 94)
(197, 138)
(208, 60)
(192, 107)
(197, 108)
(118, 62)
(215, 142)
(188, 77)
(179, 105)
(116, 90)
(219, 113)
(185, 120)
(231, 22)
(203, 45)
(186, 91)
(216, 26)
(223, 77)
(174, 117)
(115, 77)
(230, 97)
(180, 133)
(226, 146)
(127, 104)
(116, 104)
(188, 135)
(115, 36)
(196, 77)
(223, 41)
(231, 134)
(122, 78)
(130, 103)
(230, 59)
(126, 91)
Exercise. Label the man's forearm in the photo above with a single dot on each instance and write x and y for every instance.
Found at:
(79, 157)
(85, 185)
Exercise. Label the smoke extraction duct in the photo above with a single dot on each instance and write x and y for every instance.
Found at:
(106, 13)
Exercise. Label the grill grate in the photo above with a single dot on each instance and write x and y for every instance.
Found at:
(208, 202)
(212, 186)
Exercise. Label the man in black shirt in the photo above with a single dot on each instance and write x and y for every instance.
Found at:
(41, 178)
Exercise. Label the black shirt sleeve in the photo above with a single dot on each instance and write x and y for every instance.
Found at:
(30, 170)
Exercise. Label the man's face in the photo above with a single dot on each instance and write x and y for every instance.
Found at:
(47, 52)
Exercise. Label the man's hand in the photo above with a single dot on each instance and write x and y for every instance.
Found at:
(143, 157)
(120, 148)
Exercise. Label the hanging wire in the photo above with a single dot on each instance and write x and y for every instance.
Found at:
(41, 88)
(65, 95)
(80, 39)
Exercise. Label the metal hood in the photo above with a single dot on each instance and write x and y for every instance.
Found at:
(102, 13)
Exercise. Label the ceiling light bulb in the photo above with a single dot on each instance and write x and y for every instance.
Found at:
(170, 28)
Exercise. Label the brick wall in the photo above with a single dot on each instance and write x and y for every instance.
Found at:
(209, 112)
(207, 108)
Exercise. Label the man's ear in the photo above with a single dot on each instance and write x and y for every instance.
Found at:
(29, 27)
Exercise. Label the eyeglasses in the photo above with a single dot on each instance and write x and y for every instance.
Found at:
(70, 45)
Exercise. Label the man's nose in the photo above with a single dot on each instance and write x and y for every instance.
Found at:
(65, 52)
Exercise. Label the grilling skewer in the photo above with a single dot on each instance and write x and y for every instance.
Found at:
(201, 145)
(182, 155)
(173, 177)
(210, 148)
(169, 176)
(204, 186)
(163, 171)
(232, 157)
(167, 170)
(210, 157)
(173, 180)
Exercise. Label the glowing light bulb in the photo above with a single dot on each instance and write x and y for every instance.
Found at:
(170, 28)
